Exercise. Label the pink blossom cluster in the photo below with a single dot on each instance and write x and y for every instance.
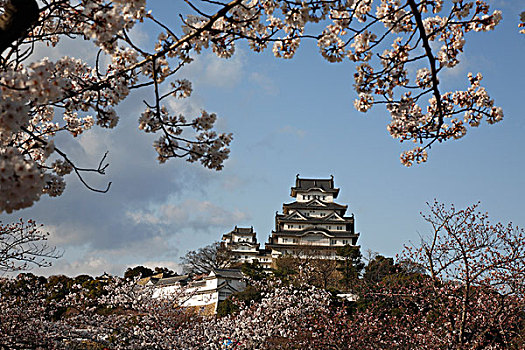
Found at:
(41, 98)
(400, 47)
(353, 30)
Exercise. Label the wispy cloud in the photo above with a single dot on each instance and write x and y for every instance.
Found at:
(197, 215)
(290, 130)
(211, 71)
(265, 83)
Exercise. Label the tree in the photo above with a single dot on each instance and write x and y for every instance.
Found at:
(165, 271)
(479, 267)
(254, 271)
(123, 316)
(23, 245)
(127, 316)
(461, 288)
(142, 271)
(379, 268)
(205, 259)
(286, 266)
(138, 271)
(42, 98)
(324, 272)
(350, 264)
(311, 269)
(420, 306)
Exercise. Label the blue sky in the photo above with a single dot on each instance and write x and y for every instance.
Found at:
(288, 117)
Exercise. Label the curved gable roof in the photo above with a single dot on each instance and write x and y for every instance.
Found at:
(324, 185)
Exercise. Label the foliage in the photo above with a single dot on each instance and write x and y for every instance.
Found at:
(461, 288)
(250, 295)
(379, 268)
(138, 271)
(254, 271)
(142, 272)
(166, 272)
(226, 308)
(350, 264)
(285, 267)
(123, 316)
(205, 259)
(43, 98)
(478, 268)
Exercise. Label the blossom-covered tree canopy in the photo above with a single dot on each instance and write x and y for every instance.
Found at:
(461, 288)
(400, 47)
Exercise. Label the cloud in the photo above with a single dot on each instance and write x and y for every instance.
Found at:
(141, 218)
(190, 214)
(94, 265)
(233, 181)
(290, 130)
(209, 70)
(188, 107)
(66, 47)
(265, 83)
(95, 225)
(220, 72)
(89, 265)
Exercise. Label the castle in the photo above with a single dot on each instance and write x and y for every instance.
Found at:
(312, 225)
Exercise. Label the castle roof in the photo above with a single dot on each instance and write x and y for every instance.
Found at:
(227, 273)
(305, 185)
(240, 231)
(168, 281)
(313, 229)
(314, 204)
(309, 220)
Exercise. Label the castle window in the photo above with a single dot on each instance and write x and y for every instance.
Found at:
(333, 241)
(345, 241)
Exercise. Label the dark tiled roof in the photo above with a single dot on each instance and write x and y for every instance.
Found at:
(243, 230)
(326, 185)
(315, 220)
(171, 280)
(240, 231)
(305, 205)
(228, 273)
(317, 229)
(238, 244)
(303, 247)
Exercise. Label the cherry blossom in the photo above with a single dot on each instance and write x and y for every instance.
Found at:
(23, 245)
(400, 48)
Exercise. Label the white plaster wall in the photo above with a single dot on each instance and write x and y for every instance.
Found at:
(303, 196)
(313, 213)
